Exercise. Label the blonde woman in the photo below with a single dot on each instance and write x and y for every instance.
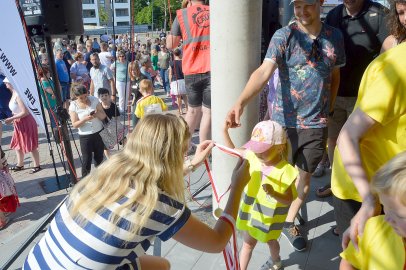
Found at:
(113, 215)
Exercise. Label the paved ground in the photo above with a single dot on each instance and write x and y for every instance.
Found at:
(323, 246)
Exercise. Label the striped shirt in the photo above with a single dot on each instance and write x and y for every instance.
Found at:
(68, 244)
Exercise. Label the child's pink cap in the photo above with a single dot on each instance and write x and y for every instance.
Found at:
(265, 135)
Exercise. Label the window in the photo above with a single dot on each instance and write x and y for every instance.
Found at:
(121, 1)
(89, 13)
(87, 1)
(122, 23)
(121, 12)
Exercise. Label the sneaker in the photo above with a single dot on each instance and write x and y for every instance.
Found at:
(270, 265)
(294, 237)
(319, 172)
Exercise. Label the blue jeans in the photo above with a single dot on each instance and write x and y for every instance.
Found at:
(165, 80)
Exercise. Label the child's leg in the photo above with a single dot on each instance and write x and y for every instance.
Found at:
(275, 249)
(246, 250)
(179, 100)
(184, 97)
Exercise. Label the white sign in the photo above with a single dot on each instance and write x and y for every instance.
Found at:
(15, 60)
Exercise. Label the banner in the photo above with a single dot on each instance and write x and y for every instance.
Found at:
(15, 60)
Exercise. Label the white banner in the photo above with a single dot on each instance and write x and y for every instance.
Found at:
(15, 59)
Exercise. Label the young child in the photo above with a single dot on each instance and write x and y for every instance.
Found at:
(382, 245)
(109, 108)
(268, 194)
(177, 80)
(149, 104)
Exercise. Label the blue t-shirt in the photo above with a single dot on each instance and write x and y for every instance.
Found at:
(305, 66)
(62, 70)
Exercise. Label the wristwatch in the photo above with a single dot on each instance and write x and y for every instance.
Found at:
(190, 166)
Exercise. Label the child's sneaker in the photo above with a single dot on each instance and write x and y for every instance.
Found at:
(270, 265)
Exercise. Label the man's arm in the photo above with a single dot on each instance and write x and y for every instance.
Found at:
(91, 88)
(173, 39)
(255, 84)
(335, 83)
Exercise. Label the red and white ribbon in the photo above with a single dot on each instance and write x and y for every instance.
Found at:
(230, 252)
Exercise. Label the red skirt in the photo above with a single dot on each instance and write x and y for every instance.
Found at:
(25, 136)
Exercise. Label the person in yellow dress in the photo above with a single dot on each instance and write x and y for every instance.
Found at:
(268, 194)
(382, 246)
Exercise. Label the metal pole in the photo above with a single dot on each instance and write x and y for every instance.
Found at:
(58, 96)
(152, 21)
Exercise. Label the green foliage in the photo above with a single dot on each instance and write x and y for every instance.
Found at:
(143, 12)
(104, 17)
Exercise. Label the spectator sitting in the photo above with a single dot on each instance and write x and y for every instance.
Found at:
(149, 104)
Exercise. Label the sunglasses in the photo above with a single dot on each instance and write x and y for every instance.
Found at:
(316, 51)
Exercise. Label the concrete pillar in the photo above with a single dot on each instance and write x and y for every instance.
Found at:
(235, 44)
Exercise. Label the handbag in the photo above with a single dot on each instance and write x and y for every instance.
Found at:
(113, 133)
(7, 186)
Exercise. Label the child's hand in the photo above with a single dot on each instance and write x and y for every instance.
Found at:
(268, 189)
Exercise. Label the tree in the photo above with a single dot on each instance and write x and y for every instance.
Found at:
(104, 17)
(144, 15)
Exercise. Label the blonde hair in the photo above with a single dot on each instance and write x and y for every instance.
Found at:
(154, 52)
(152, 160)
(146, 86)
(390, 179)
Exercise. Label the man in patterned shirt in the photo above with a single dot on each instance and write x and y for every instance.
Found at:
(308, 54)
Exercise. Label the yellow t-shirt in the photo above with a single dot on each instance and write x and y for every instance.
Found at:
(380, 248)
(382, 96)
(150, 105)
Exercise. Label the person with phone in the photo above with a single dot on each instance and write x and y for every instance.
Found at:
(86, 114)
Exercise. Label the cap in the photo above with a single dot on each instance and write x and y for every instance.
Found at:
(309, 2)
(265, 135)
(6, 80)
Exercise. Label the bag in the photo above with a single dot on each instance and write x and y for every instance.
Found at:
(7, 186)
(113, 133)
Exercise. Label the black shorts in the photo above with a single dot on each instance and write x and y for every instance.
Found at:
(198, 89)
(307, 147)
(344, 211)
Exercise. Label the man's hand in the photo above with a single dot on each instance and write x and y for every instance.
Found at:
(369, 208)
(233, 116)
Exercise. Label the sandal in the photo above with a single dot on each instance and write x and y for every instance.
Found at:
(17, 168)
(324, 192)
(35, 169)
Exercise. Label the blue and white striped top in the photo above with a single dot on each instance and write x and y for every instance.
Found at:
(70, 245)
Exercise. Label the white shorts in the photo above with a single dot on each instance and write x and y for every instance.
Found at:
(178, 87)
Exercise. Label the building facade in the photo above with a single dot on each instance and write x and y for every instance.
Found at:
(100, 12)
